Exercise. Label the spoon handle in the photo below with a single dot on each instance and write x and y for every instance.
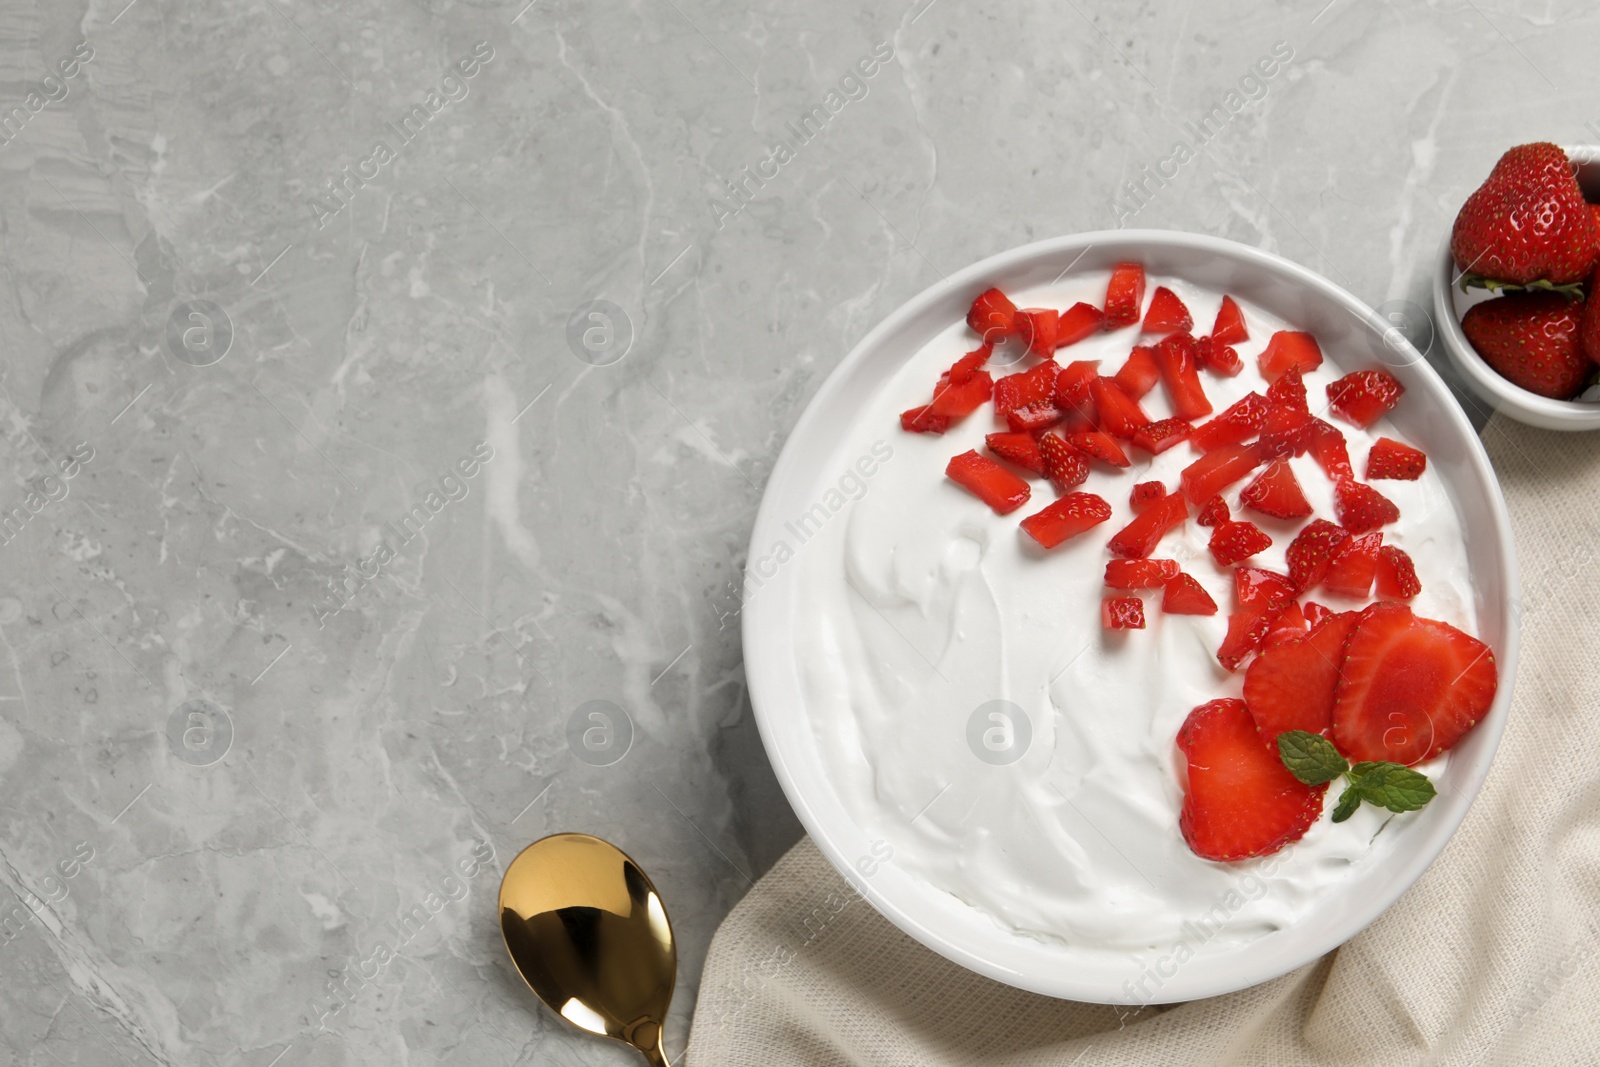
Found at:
(655, 1057)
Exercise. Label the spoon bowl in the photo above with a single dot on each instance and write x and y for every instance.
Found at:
(589, 934)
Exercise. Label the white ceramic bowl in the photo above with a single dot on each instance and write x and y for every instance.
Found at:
(1351, 334)
(1450, 303)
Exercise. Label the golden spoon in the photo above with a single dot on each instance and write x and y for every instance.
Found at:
(588, 933)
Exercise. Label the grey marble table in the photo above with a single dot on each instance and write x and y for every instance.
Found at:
(387, 394)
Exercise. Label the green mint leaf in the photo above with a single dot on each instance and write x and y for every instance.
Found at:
(1310, 757)
(1392, 786)
(1349, 801)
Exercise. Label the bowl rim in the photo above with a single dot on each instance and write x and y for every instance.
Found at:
(1500, 393)
(765, 658)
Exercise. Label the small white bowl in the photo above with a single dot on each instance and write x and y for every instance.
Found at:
(1450, 303)
(1353, 336)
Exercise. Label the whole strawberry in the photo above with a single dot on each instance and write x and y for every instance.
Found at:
(1528, 222)
(1531, 339)
(1589, 332)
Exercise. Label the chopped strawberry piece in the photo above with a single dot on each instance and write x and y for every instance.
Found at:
(1036, 329)
(1185, 596)
(1144, 494)
(1035, 417)
(964, 368)
(1119, 415)
(1018, 448)
(1140, 573)
(1139, 375)
(923, 420)
(1388, 458)
(1353, 566)
(1311, 551)
(1288, 625)
(1260, 589)
(1066, 518)
(1229, 328)
(992, 316)
(1122, 613)
(955, 401)
(1287, 428)
(1219, 468)
(1215, 511)
(1238, 424)
(1216, 356)
(1097, 445)
(1072, 385)
(1124, 295)
(1275, 492)
(1290, 686)
(1247, 632)
(1315, 612)
(1078, 322)
(1239, 800)
(1365, 396)
(1397, 575)
(1236, 540)
(1063, 464)
(1139, 538)
(1180, 373)
(1361, 508)
(1159, 436)
(1330, 452)
(988, 481)
(1167, 313)
(1409, 688)
(1033, 386)
(1289, 349)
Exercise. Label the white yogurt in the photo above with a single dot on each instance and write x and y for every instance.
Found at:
(924, 606)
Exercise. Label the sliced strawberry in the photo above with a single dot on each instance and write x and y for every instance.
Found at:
(1361, 508)
(1167, 313)
(1144, 494)
(1185, 596)
(1397, 575)
(1315, 612)
(1159, 436)
(988, 481)
(1409, 688)
(1258, 589)
(1247, 632)
(1239, 800)
(1288, 625)
(1124, 295)
(1063, 464)
(1311, 551)
(992, 316)
(1353, 566)
(1036, 329)
(1097, 445)
(1078, 322)
(1140, 573)
(1290, 686)
(1180, 373)
(924, 420)
(1287, 428)
(1229, 328)
(1066, 518)
(1214, 512)
(1118, 414)
(955, 401)
(1216, 356)
(1072, 385)
(1234, 540)
(1365, 396)
(1289, 349)
(1019, 448)
(1139, 375)
(1234, 426)
(1388, 458)
(1219, 468)
(1122, 613)
(1275, 492)
(1139, 538)
(1330, 452)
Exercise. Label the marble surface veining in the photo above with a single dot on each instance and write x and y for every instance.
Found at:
(387, 392)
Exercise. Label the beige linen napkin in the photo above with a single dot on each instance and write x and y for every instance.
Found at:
(1493, 957)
